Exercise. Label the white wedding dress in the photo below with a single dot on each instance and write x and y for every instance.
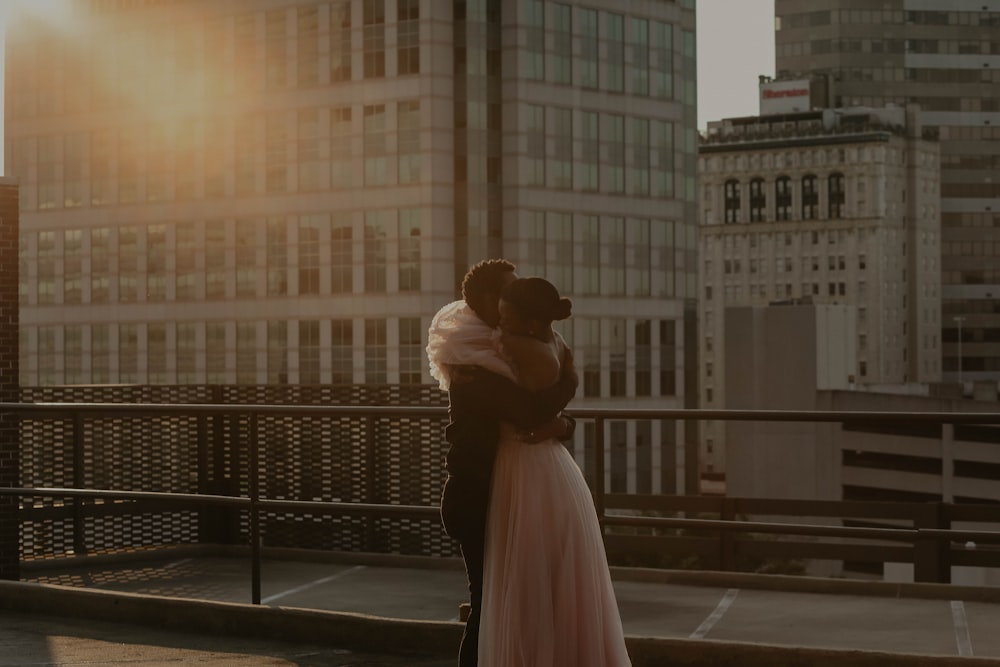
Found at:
(547, 594)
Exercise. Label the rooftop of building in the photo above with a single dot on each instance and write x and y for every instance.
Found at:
(824, 126)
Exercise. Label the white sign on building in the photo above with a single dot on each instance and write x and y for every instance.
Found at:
(778, 97)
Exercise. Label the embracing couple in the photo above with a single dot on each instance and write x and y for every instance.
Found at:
(515, 499)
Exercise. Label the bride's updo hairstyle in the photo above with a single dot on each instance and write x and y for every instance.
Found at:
(537, 299)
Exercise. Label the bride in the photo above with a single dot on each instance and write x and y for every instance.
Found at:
(547, 594)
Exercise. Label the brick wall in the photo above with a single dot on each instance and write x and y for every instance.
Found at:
(9, 391)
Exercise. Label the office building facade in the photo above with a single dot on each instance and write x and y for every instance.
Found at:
(945, 56)
(285, 191)
(830, 207)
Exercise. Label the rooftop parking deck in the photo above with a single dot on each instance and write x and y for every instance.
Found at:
(384, 610)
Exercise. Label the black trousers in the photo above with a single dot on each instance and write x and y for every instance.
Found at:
(463, 513)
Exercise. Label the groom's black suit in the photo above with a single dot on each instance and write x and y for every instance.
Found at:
(477, 405)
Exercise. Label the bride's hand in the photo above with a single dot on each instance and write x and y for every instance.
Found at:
(555, 428)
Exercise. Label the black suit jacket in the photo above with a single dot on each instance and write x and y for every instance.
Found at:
(476, 408)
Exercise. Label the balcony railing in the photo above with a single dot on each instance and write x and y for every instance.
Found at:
(108, 478)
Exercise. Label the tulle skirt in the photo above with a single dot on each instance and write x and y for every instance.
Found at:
(547, 594)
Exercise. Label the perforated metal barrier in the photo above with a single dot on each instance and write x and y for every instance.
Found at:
(385, 460)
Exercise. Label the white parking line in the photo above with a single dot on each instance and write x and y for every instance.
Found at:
(962, 638)
(318, 582)
(714, 617)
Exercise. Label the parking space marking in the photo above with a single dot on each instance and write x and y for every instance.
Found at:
(716, 614)
(962, 638)
(318, 582)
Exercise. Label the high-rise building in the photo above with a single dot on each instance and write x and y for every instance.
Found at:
(945, 56)
(834, 206)
(269, 191)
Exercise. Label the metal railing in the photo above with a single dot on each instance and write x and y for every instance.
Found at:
(929, 544)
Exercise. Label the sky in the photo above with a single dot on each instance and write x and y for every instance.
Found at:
(735, 46)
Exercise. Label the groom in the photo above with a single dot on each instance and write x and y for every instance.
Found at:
(478, 401)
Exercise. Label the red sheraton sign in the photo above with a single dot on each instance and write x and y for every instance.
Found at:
(788, 92)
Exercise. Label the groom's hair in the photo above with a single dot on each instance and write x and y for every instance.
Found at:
(485, 276)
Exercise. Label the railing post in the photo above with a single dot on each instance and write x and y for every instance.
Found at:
(931, 561)
(79, 482)
(371, 495)
(599, 467)
(254, 487)
(10, 388)
(727, 538)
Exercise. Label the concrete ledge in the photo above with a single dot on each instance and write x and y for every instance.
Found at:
(803, 584)
(431, 639)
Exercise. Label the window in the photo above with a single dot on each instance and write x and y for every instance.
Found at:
(662, 66)
(72, 266)
(615, 143)
(128, 353)
(187, 353)
(340, 40)
(156, 263)
(535, 174)
(275, 34)
(662, 158)
(342, 351)
(758, 200)
(374, 38)
(376, 233)
(835, 185)
(588, 177)
(640, 56)
(100, 265)
(783, 199)
(309, 236)
(408, 141)
(309, 352)
(561, 164)
(277, 352)
(639, 174)
(562, 59)
(341, 257)
(643, 358)
(275, 153)
(731, 201)
(615, 62)
(409, 250)
(215, 259)
(376, 352)
(408, 37)
(307, 65)
(215, 353)
(589, 50)
(810, 198)
(535, 32)
(307, 149)
(341, 163)
(411, 351)
(277, 257)
(187, 245)
(246, 353)
(375, 143)
(668, 358)
(128, 264)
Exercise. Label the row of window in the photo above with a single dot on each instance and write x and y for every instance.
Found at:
(375, 251)
(338, 351)
(147, 67)
(607, 152)
(887, 17)
(286, 151)
(782, 192)
(650, 45)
